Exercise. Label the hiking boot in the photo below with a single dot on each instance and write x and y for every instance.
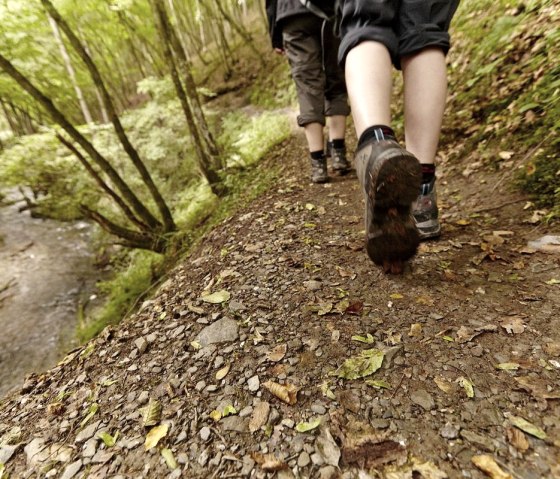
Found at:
(319, 170)
(340, 164)
(425, 211)
(391, 178)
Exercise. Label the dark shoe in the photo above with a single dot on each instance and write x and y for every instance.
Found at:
(425, 211)
(391, 178)
(319, 170)
(339, 162)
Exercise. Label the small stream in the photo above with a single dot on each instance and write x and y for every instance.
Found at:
(46, 269)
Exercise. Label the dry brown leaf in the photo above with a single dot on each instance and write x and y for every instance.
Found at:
(222, 373)
(537, 387)
(268, 462)
(286, 393)
(277, 354)
(415, 330)
(151, 414)
(442, 383)
(259, 416)
(517, 439)
(513, 325)
(488, 465)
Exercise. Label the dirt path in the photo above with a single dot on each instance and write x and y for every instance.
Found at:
(299, 290)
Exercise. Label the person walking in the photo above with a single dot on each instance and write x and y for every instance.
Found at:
(303, 31)
(398, 183)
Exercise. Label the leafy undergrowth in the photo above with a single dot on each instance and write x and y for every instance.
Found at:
(505, 75)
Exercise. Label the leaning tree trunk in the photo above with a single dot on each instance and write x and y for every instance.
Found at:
(154, 226)
(165, 213)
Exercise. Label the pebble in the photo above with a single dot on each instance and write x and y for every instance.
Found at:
(87, 432)
(205, 433)
(304, 459)
(141, 344)
(449, 431)
(200, 385)
(318, 409)
(253, 383)
(290, 423)
(317, 459)
(221, 331)
(72, 469)
(423, 399)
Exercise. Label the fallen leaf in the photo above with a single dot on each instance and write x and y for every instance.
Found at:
(463, 222)
(169, 458)
(259, 416)
(268, 462)
(506, 155)
(396, 296)
(552, 281)
(222, 373)
(362, 339)
(508, 366)
(488, 465)
(539, 388)
(415, 330)
(215, 415)
(151, 414)
(107, 439)
(327, 392)
(342, 306)
(355, 308)
(216, 298)
(444, 384)
(365, 364)
(449, 339)
(378, 383)
(513, 325)
(309, 206)
(155, 435)
(196, 345)
(277, 354)
(92, 410)
(229, 410)
(308, 426)
(286, 393)
(517, 439)
(527, 427)
(467, 386)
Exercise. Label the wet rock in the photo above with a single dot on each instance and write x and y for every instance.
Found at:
(72, 469)
(449, 431)
(221, 331)
(422, 398)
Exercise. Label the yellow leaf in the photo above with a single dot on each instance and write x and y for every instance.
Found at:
(216, 415)
(396, 296)
(463, 222)
(155, 435)
(308, 426)
(508, 366)
(488, 465)
(222, 373)
(216, 298)
(527, 427)
(169, 458)
(467, 386)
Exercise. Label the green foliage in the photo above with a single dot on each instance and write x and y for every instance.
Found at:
(138, 270)
(247, 139)
(505, 76)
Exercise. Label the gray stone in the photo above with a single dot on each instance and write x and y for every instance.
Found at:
(253, 383)
(304, 459)
(423, 399)
(6, 452)
(221, 331)
(312, 285)
(87, 432)
(72, 469)
(205, 433)
(379, 423)
(235, 423)
(328, 472)
(90, 448)
(318, 409)
(141, 344)
(317, 459)
(482, 442)
(449, 431)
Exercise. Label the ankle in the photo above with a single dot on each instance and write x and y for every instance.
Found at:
(317, 155)
(428, 172)
(376, 133)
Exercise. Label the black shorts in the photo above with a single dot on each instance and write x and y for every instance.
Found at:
(403, 26)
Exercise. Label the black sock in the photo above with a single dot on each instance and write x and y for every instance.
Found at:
(317, 155)
(339, 144)
(378, 133)
(428, 172)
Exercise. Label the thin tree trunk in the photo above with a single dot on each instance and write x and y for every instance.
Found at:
(9, 119)
(168, 222)
(70, 69)
(61, 120)
(102, 109)
(204, 161)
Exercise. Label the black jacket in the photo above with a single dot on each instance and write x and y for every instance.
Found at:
(278, 10)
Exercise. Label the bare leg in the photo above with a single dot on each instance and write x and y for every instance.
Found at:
(337, 127)
(425, 91)
(369, 82)
(314, 135)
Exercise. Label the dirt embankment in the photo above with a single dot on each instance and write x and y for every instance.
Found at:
(469, 337)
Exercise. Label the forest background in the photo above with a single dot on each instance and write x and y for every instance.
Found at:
(150, 118)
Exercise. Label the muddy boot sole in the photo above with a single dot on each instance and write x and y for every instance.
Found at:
(392, 182)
